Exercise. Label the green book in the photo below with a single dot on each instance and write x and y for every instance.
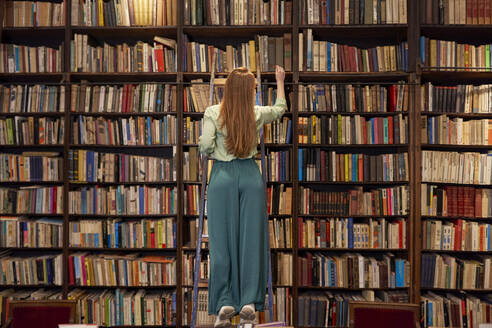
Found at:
(487, 56)
(339, 128)
(10, 131)
(385, 130)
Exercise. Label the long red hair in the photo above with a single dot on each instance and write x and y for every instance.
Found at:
(237, 112)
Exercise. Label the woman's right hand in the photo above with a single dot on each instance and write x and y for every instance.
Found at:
(279, 73)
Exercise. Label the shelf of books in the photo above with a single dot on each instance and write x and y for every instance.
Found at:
(455, 120)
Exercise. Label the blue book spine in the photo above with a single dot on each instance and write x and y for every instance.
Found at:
(174, 234)
(289, 132)
(350, 232)
(149, 133)
(373, 139)
(197, 54)
(83, 196)
(141, 199)
(300, 164)
(328, 11)
(354, 167)
(116, 235)
(429, 314)
(328, 56)
(16, 56)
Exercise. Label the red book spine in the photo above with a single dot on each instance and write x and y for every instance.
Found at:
(400, 234)
(328, 240)
(457, 235)
(390, 130)
(71, 274)
(392, 98)
(478, 203)
(461, 208)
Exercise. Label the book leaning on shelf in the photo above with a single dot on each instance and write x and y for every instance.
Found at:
(456, 201)
(31, 167)
(122, 200)
(139, 307)
(356, 201)
(34, 13)
(137, 57)
(469, 12)
(22, 130)
(32, 98)
(326, 56)
(130, 131)
(124, 12)
(456, 99)
(456, 131)
(89, 166)
(274, 51)
(467, 168)
(124, 98)
(447, 55)
(127, 233)
(320, 165)
(32, 199)
(25, 270)
(25, 59)
(456, 235)
(120, 270)
(352, 130)
(378, 233)
(237, 12)
(353, 271)
(353, 98)
(455, 309)
(19, 231)
(340, 12)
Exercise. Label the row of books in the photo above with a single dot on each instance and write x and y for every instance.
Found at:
(456, 99)
(282, 308)
(353, 271)
(120, 270)
(25, 59)
(353, 98)
(344, 233)
(136, 57)
(468, 167)
(360, 12)
(118, 307)
(456, 12)
(237, 12)
(282, 268)
(455, 131)
(328, 309)
(444, 55)
(123, 98)
(278, 166)
(30, 167)
(279, 199)
(124, 13)
(444, 271)
(119, 200)
(455, 310)
(279, 131)
(34, 13)
(130, 131)
(90, 166)
(21, 232)
(196, 96)
(346, 130)
(274, 51)
(455, 201)
(33, 199)
(457, 235)
(127, 233)
(355, 201)
(36, 98)
(326, 56)
(321, 165)
(280, 232)
(26, 270)
(21, 130)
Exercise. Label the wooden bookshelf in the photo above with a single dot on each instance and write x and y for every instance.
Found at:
(368, 34)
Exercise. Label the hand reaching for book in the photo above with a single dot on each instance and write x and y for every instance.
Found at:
(279, 74)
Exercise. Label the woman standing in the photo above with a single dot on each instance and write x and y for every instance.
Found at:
(236, 202)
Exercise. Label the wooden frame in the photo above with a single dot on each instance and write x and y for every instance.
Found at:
(381, 305)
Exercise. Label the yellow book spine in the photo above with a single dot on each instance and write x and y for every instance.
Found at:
(346, 166)
(252, 57)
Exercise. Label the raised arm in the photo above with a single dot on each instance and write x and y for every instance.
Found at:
(272, 113)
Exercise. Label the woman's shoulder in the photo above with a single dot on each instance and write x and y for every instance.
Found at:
(212, 111)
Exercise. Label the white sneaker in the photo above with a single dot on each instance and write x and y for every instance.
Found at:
(224, 317)
(247, 314)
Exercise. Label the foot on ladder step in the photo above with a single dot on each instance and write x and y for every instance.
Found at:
(247, 314)
(224, 317)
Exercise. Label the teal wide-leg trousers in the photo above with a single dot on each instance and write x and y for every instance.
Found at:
(237, 228)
